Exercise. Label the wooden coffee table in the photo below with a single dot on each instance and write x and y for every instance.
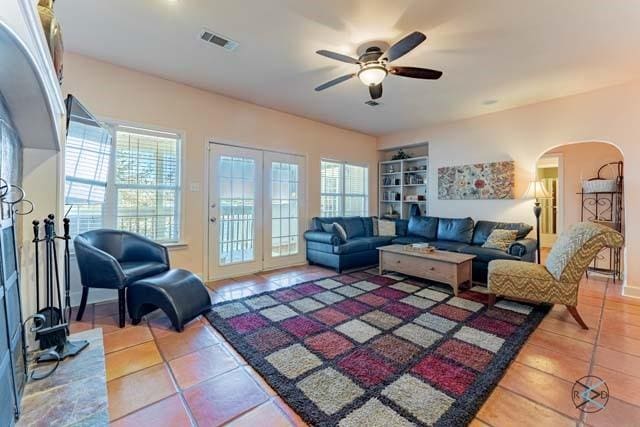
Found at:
(451, 268)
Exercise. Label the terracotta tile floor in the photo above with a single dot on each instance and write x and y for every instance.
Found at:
(157, 376)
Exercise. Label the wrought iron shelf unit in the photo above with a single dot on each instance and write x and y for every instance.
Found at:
(607, 208)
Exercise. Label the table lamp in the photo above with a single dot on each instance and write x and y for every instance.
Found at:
(537, 191)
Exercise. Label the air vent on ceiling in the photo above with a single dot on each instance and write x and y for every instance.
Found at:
(218, 39)
(372, 103)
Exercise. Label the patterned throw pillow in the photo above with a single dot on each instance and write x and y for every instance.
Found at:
(340, 231)
(500, 239)
(386, 228)
(375, 225)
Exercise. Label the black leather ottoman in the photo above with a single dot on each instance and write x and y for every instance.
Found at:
(179, 293)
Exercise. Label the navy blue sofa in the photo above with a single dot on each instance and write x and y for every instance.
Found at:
(463, 235)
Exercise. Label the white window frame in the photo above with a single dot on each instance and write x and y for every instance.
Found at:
(109, 208)
(342, 195)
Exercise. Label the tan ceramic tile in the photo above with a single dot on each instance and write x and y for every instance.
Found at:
(132, 359)
(541, 388)
(505, 408)
(620, 343)
(224, 397)
(623, 307)
(169, 412)
(553, 362)
(574, 348)
(106, 308)
(161, 325)
(110, 323)
(621, 386)
(190, 340)
(128, 337)
(201, 365)
(621, 362)
(267, 414)
(614, 316)
(616, 414)
(571, 329)
(618, 328)
(132, 392)
(293, 416)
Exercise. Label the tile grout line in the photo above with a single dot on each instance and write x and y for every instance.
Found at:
(583, 415)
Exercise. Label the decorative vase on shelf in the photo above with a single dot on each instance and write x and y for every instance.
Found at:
(53, 34)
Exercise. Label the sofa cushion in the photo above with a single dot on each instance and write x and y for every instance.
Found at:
(352, 246)
(401, 227)
(455, 229)
(486, 254)
(445, 245)
(377, 241)
(484, 228)
(316, 222)
(423, 226)
(407, 240)
(367, 222)
(354, 227)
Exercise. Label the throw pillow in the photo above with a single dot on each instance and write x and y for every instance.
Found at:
(340, 231)
(500, 239)
(386, 228)
(327, 228)
(375, 226)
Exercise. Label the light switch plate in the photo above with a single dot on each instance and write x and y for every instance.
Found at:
(195, 186)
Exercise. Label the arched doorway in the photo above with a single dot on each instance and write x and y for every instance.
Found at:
(565, 171)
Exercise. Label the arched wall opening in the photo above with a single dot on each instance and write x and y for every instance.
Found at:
(563, 169)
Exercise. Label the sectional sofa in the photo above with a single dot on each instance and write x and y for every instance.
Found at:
(359, 249)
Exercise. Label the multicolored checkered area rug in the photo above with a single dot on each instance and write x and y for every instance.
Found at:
(364, 349)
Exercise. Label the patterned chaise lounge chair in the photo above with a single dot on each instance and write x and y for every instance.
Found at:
(557, 281)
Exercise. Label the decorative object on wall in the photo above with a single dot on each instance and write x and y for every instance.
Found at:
(53, 34)
(479, 181)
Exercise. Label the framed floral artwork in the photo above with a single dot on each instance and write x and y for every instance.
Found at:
(480, 181)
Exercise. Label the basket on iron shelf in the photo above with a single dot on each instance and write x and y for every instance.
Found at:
(600, 186)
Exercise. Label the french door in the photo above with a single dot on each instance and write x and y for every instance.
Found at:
(256, 202)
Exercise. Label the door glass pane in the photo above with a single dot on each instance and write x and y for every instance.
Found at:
(284, 209)
(236, 177)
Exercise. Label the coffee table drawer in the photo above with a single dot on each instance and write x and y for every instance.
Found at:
(419, 267)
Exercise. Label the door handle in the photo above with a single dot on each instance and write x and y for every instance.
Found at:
(213, 219)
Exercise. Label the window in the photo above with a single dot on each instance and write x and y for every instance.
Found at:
(344, 189)
(143, 191)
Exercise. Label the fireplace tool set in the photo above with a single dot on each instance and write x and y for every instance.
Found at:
(52, 326)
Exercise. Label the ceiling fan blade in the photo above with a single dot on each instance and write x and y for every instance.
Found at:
(404, 46)
(334, 82)
(338, 56)
(375, 91)
(416, 73)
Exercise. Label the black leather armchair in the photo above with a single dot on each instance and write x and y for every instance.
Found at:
(113, 259)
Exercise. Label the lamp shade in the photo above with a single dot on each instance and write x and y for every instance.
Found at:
(536, 190)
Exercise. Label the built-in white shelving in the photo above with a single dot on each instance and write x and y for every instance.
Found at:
(400, 180)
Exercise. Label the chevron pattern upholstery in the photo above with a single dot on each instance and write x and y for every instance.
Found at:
(557, 282)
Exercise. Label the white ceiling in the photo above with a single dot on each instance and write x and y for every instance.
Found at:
(495, 54)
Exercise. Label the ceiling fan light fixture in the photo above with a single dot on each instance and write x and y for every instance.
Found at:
(372, 75)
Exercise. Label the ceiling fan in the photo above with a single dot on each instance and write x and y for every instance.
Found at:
(374, 65)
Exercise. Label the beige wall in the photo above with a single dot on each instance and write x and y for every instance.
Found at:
(523, 134)
(581, 162)
(117, 93)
